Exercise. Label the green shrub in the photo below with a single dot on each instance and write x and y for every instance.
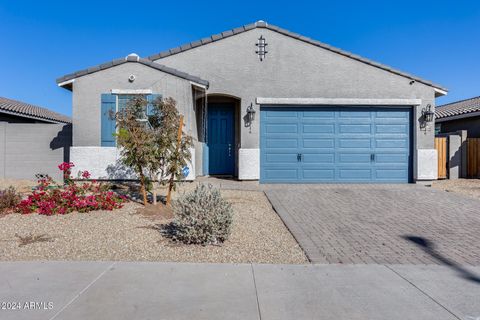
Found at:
(9, 198)
(202, 217)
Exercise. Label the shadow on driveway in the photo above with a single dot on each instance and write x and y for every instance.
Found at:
(428, 246)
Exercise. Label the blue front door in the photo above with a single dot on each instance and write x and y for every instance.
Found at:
(221, 139)
(335, 144)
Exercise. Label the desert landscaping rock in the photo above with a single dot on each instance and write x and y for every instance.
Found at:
(467, 187)
(258, 236)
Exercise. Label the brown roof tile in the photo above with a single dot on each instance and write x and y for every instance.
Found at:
(28, 110)
(457, 108)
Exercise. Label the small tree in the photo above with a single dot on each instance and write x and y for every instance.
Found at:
(156, 149)
(173, 152)
(137, 141)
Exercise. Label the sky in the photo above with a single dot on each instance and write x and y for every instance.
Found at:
(43, 40)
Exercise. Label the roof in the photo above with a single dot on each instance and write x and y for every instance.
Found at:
(129, 59)
(462, 108)
(263, 24)
(27, 110)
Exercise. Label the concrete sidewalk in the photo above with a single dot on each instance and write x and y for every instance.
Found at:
(137, 290)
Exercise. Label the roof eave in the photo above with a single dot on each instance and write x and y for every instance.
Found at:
(19, 114)
(67, 80)
(439, 90)
(459, 116)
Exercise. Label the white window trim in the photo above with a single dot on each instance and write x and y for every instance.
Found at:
(131, 91)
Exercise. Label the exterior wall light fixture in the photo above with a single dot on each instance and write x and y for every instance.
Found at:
(251, 113)
(427, 117)
(250, 116)
(428, 114)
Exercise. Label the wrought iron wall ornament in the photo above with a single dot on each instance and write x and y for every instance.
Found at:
(261, 45)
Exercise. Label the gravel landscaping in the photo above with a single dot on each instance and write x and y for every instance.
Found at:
(468, 187)
(258, 236)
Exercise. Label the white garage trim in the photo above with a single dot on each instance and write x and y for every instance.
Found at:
(339, 101)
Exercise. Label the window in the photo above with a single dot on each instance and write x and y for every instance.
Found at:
(111, 103)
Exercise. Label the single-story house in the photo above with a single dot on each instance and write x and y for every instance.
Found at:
(263, 103)
(459, 115)
(33, 140)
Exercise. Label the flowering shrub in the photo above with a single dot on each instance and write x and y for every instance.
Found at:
(49, 198)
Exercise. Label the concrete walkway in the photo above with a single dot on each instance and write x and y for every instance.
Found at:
(136, 290)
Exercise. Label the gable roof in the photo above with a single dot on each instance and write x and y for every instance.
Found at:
(458, 109)
(263, 24)
(63, 81)
(27, 110)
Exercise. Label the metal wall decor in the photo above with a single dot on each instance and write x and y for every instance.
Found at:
(261, 45)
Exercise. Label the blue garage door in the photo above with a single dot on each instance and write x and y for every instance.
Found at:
(334, 144)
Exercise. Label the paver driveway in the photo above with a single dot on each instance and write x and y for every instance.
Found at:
(385, 224)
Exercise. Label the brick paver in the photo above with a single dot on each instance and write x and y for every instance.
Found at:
(355, 224)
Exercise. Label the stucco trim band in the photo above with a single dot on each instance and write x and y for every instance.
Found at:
(340, 101)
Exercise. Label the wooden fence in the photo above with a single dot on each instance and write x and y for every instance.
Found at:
(473, 157)
(441, 147)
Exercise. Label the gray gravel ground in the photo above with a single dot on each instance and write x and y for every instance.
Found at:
(258, 236)
(468, 187)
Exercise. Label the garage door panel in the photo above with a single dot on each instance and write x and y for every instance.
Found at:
(391, 143)
(364, 144)
(318, 174)
(391, 128)
(354, 158)
(274, 157)
(355, 113)
(318, 158)
(318, 115)
(392, 114)
(282, 143)
(273, 113)
(354, 174)
(391, 158)
(318, 128)
(352, 143)
(319, 143)
(391, 174)
(281, 128)
(281, 174)
(354, 128)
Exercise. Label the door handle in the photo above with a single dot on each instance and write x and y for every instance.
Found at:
(372, 157)
(229, 150)
(299, 157)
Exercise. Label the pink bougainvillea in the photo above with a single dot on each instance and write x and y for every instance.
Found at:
(49, 198)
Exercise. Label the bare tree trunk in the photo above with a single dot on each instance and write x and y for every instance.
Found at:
(154, 193)
(179, 141)
(143, 186)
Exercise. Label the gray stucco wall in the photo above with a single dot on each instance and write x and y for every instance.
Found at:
(472, 125)
(28, 149)
(87, 90)
(293, 68)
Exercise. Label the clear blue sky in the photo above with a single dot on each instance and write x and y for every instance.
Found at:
(42, 40)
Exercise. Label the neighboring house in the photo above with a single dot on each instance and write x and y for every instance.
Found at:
(33, 140)
(265, 103)
(460, 115)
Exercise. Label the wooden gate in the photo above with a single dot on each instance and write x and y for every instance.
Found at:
(473, 158)
(441, 147)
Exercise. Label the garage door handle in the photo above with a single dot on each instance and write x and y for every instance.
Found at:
(299, 157)
(372, 157)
